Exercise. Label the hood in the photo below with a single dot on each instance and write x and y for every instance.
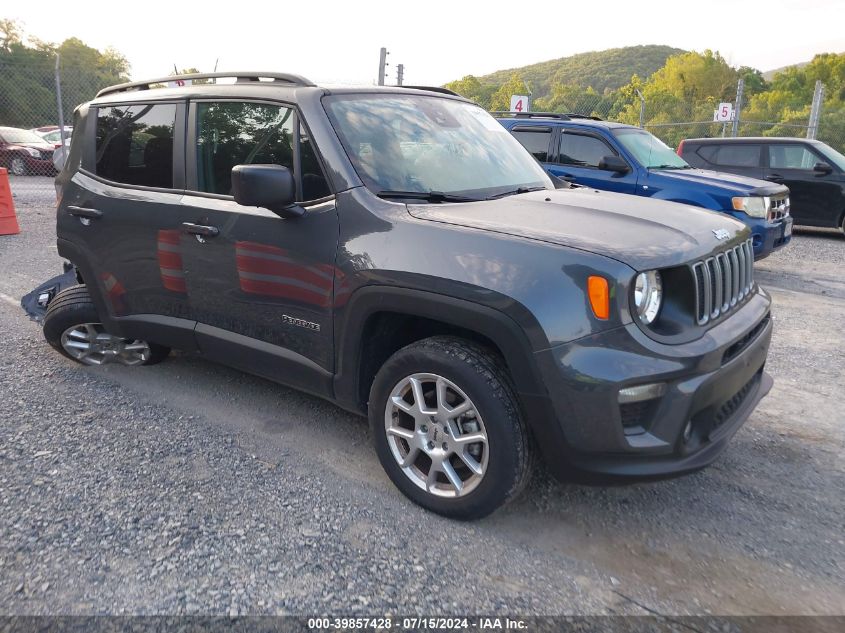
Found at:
(641, 232)
(732, 184)
(41, 147)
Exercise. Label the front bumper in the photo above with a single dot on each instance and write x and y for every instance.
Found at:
(767, 237)
(711, 386)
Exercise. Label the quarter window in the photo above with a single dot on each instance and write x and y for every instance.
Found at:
(582, 150)
(135, 144)
(791, 157)
(536, 141)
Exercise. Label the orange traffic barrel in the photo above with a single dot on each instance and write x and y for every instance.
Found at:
(8, 219)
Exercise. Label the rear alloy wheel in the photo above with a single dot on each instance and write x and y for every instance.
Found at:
(73, 327)
(17, 166)
(447, 427)
(90, 344)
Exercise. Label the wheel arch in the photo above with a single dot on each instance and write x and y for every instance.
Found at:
(380, 320)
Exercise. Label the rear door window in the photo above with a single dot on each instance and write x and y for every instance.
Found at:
(134, 144)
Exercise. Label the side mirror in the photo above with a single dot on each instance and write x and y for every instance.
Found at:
(614, 163)
(268, 186)
(823, 168)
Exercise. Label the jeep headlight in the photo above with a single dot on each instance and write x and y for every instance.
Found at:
(33, 152)
(648, 295)
(755, 206)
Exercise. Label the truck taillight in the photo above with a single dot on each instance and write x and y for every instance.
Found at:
(681, 148)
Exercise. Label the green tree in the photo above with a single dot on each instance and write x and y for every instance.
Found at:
(501, 99)
(472, 88)
(27, 76)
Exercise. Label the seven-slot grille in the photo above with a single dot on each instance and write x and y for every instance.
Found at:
(779, 207)
(723, 281)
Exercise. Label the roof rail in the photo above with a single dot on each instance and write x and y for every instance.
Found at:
(532, 115)
(444, 91)
(240, 77)
(573, 115)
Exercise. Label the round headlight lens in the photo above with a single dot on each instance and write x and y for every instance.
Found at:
(648, 295)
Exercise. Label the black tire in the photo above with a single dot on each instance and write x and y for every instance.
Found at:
(73, 306)
(482, 376)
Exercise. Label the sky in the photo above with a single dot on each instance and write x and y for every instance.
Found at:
(333, 41)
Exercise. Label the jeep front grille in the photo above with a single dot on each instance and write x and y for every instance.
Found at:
(778, 207)
(723, 281)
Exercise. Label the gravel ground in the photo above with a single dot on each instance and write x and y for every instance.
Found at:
(189, 487)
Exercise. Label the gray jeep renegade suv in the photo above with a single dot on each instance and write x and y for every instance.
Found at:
(397, 252)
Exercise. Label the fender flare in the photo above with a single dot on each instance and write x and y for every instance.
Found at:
(491, 323)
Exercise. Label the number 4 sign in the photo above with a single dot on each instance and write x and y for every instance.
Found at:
(724, 113)
(519, 103)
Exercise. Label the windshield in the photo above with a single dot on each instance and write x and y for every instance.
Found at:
(13, 135)
(411, 143)
(832, 155)
(650, 151)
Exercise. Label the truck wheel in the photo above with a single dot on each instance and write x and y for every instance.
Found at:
(447, 427)
(73, 327)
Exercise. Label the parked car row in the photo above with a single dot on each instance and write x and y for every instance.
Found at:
(24, 152)
(626, 159)
(813, 171)
(767, 183)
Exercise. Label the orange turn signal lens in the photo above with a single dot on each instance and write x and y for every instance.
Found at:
(599, 293)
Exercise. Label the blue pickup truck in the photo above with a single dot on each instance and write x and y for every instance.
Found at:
(627, 159)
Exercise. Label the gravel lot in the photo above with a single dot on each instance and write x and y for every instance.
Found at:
(188, 487)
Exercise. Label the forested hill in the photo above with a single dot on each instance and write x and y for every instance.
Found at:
(608, 69)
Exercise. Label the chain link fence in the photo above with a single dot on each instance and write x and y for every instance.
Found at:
(37, 100)
(31, 143)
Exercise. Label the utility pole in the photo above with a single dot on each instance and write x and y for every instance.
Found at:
(816, 110)
(642, 107)
(382, 62)
(740, 87)
(400, 74)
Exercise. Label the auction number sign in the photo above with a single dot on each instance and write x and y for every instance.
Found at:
(519, 103)
(724, 113)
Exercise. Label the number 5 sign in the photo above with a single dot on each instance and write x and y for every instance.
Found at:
(724, 113)
(519, 103)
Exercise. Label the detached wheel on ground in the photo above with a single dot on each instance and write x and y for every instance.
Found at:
(73, 327)
(447, 427)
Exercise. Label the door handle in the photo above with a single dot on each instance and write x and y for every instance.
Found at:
(200, 229)
(82, 212)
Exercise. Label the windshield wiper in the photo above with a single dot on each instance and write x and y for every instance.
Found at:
(428, 196)
(515, 192)
(670, 167)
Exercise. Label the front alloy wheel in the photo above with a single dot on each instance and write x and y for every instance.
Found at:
(436, 435)
(447, 427)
